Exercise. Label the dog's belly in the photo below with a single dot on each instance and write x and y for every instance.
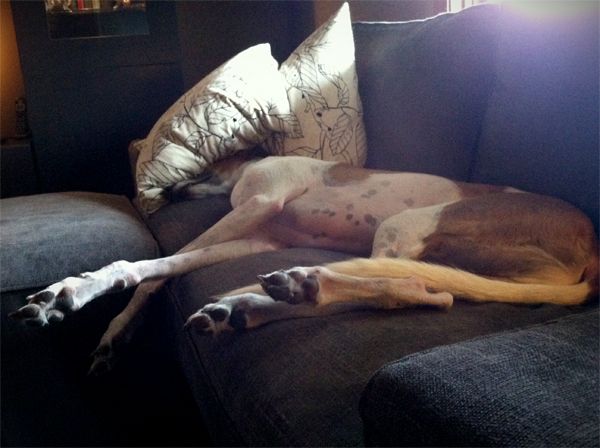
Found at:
(359, 245)
(346, 215)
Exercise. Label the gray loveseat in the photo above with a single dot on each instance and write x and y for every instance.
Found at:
(504, 96)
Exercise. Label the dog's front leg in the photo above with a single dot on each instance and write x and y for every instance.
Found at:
(122, 327)
(51, 304)
(68, 295)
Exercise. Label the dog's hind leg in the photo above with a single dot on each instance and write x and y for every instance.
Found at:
(249, 310)
(319, 285)
(310, 292)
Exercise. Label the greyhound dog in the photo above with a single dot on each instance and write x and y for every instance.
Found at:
(429, 239)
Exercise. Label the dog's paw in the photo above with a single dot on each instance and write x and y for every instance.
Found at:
(294, 286)
(50, 305)
(64, 297)
(230, 313)
(103, 360)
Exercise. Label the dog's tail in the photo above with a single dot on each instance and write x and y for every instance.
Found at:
(466, 285)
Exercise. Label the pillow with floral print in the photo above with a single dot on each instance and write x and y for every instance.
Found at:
(322, 88)
(234, 108)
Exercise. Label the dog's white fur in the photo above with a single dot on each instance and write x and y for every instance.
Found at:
(396, 218)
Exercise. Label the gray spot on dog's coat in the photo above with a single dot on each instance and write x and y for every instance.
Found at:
(370, 219)
(369, 194)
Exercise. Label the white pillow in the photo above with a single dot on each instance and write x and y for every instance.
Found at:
(234, 108)
(322, 88)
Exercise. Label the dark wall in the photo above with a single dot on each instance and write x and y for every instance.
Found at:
(88, 98)
(211, 32)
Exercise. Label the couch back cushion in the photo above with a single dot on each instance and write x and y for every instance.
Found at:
(540, 131)
(424, 86)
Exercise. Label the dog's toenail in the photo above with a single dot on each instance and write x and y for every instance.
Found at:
(262, 279)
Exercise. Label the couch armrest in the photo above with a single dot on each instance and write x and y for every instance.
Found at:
(534, 386)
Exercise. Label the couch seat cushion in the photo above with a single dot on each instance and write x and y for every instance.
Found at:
(298, 382)
(48, 237)
(531, 387)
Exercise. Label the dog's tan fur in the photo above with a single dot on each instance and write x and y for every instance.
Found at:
(428, 238)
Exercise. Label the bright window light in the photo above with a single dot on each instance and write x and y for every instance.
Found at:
(457, 5)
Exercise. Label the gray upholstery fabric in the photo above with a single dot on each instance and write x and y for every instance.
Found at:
(424, 87)
(540, 131)
(298, 382)
(178, 223)
(51, 236)
(531, 387)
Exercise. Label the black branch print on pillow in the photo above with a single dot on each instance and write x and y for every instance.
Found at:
(211, 126)
(326, 97)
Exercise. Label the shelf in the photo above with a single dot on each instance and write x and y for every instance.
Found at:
(94, 23)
